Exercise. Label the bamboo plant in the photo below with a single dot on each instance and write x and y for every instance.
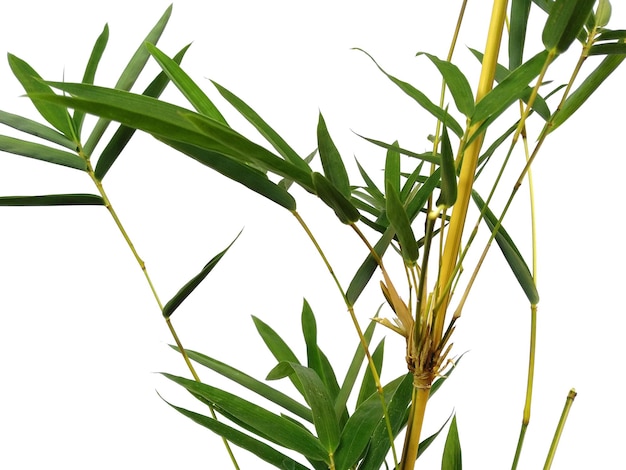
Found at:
(426, 212)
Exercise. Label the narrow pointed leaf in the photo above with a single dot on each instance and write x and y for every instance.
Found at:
(264, 128)
(282, 430)
(188, 288)
(420, 98)
(90, 71)
(240, 439)
(368, 385)
(129, 76)
(509, 250)
(317, 397)
(327, 192)
(586, 89)
(427, 157)
(452, 450)
(332, 163)
(608, 49)
(392, 168)
(566, 19)
(33, 84)
(36, 129)
(124, 133)
(610, 34)
(510, 89)
(520, 11)
(448, 194)
(190, 90)
(457, 84)
(372, 189)
(53, 200)
(396, 213)
(41, 152)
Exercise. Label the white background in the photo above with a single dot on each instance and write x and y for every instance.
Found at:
(81, 336)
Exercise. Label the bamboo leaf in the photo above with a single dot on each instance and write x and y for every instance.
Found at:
(334, 168)
(608, 49)
(41, 152)
(427, 157)
(509, 250)
(510, 89)
(610, 34)
(400, 222)
(90, 71)
(368, 385)
(420, 98)
(392, 168)
(565, 21)
(190, 90)
(452, 450)
(124, 133)
(250, 383)
(264, 129)
(53, 200)
(240, 439)
(333, 198)
(603, 13)
(520, 11)
(317, 397)
(447, 197)
(188, 288)
(283, 431)
(34, 86)
(36, 129)
(457, 84)
(129, 76)
(585, 90)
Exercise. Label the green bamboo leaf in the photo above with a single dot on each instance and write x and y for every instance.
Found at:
(520, 11)
(611, 34)
(371, 187)
(427, 157)
(457, 84)
(332, 163)
(327, 192)
(41, 152)
(510, 89)
(603, 13)
(420, 98)
(34, 86)
(264, 129)
(565, 21)
(317, 397)
(392, 168)
(368, 385)
(399, 219)
(123, 134)
(447, 197)
(283, 431)
(240, 439)
(188, 288)
(250, 383)
(90, 71)
(250, 177)
(190, 90)
(129, 76)
(585, 90)
(452, 450)
(53, 200)
(36, 129)
(509, 250)
(608, 49)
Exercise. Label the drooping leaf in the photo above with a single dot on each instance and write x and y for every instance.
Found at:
(90, 71)
(509, 250)
(333, 198)
(190, 90)
(427, 157)
(184, 292)
(392, 168)
(321, 404)
(420, 98)
(399, 219)
(129, 76)
(332, 163)
(520, 11)
(452, 450)
(53, 200)
(457, 84)
(240, 439)
(124, 133)
(283, 431)
(36, 129)
(41, 152)
(566, 19)
(447, 196)
(34, 86)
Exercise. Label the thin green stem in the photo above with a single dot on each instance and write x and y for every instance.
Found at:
(559, 429)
